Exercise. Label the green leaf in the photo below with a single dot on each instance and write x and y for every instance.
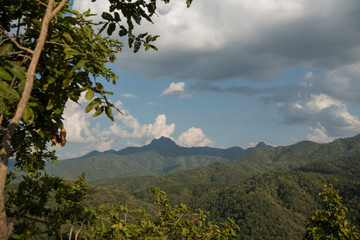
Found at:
(81, 63)
(67, 37)
(122, 31)
(51, 79)
(107, 16)
(98, 111)
(131, 40)
(72, 52)
(111, 28)
(117, 17)
(188, 3)
(15, 69)
(5, 75)
(137, 46)
(50, 105)
(108, 112)
(89, 94)
(92, 105)
(28, 116)
(5, 49)
(8, 92)
(58, 111)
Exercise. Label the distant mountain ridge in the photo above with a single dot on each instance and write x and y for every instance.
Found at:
(161, 156)
(168, 148)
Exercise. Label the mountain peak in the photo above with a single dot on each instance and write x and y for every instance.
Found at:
(263, 145)
(163, 142)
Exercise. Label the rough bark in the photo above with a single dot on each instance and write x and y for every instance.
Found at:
(8, 132)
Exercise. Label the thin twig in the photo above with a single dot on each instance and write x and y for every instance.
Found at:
(55, 43)
(4, 40)
(14, 53)
(178, 220)
(16, 43)
(41, 2)
(71, 230)
(13, 81)
(78, 231)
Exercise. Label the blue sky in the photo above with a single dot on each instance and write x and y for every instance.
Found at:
(232, 73)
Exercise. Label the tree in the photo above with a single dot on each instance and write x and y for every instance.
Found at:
(330, 223)
(50, 54)
(169, 222)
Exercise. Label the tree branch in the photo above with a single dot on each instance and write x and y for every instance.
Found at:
(61, 44)
(16, 43)
(58, 8)
(8, 132)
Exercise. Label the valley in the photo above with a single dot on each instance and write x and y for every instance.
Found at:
(268, 191)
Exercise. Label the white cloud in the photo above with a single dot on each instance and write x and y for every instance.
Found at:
(76, 123)
(319, 135)
(176, 89)
(128, 95)
(321, 110)
(215, 40)
(128, 128)
(252, 144)
(194, 137)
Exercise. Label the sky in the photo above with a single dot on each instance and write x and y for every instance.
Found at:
(231, 73)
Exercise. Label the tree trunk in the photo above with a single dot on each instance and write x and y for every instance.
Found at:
(8, 132)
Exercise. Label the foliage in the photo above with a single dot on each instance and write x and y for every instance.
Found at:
(72, 59)
(176, 222)
(330, 223)
(215, 169)
(113, 165)
(58, 211)
(270, 206)
(47, 206)
(50, 54)
(299, 154)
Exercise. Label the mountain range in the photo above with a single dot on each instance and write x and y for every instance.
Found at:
(168, 148)
(268, 191)
(161, 156)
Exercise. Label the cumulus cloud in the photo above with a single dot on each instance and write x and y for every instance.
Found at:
(194, 137)
(127, 127)
(319, 135)
(177, 89)
(323, 114)
(255, 40)
(76, 123)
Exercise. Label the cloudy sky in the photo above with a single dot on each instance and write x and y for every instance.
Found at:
(232, 73)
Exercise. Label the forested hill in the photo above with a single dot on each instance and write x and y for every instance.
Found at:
(168, 148)
(270, 206)
(293, 156)
(161, 156)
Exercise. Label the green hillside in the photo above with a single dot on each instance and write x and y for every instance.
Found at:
(271, 206)
(268, 192)
(293, 156)
(254, 162)
(113, 165)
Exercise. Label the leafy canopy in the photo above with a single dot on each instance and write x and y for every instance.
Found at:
(331, 223)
